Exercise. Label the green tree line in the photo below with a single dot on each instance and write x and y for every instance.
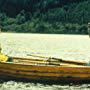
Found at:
(45, 16)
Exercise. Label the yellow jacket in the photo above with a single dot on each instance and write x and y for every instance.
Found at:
(3, 58)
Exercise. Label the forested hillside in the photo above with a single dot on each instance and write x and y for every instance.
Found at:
(45, 16)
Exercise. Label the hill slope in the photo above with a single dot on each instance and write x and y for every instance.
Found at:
(45, 16)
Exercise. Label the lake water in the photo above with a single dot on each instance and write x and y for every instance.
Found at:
(69, 47)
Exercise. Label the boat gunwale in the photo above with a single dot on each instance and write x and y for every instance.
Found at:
(21, 64)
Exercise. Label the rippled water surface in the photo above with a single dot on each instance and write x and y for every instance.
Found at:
(70, 47)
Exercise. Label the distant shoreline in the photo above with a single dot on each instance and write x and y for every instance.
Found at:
(42, 33)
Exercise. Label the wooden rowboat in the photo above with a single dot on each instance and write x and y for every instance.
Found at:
(44, 71)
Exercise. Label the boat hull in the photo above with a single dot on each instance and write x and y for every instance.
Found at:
(49, 73)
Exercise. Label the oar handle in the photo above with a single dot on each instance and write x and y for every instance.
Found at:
(71, 62)
(37, 55)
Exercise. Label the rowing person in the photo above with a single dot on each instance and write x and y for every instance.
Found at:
(4, 58)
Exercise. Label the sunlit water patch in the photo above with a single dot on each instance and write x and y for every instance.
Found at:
(63, 46)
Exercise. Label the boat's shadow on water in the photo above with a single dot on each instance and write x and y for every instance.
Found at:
(45, 82)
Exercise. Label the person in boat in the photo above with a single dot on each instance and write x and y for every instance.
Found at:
(4, 58)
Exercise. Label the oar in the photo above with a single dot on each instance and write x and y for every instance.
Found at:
(60, 60)
(40, 61)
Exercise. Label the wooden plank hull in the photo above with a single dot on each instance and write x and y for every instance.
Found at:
(45, 73)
